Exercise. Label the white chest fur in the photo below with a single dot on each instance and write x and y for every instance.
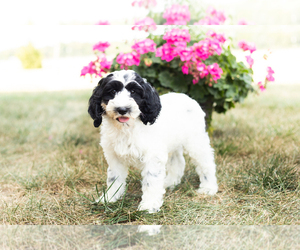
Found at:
(123, 140)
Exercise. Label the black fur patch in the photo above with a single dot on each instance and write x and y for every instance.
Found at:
(150, 105)
(143, 93)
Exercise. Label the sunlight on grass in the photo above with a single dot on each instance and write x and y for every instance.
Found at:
(51, 164)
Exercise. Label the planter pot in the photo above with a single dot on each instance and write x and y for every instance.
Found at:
(207, 107)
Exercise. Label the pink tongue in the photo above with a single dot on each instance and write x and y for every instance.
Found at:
(123, 119)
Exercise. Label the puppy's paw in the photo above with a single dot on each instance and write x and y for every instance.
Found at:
(149, 207)
(208, 190)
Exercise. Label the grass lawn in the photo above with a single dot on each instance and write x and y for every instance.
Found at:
(51, 165)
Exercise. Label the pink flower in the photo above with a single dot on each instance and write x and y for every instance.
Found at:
(166, 52)
(213, 17)
(128, 59)
(103, 22)
(203, 69)
(146, 24)
(270, 70)
(97, 67)
(144, 46)
(270, 77)
(104, 64)
(89, 69)
(215, 71)
(144, 3)
(185, 54)
(206, 48)
(177, 15)
(220, 37)
(101, 46)
(247, 46)
(250, 61)
(185, 68)
(195, 80)
(243, 22)
(261, 86)
(177, 35)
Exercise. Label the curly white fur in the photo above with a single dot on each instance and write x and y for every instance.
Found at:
(156, 149)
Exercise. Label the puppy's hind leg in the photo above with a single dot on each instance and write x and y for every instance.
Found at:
(175, 168)
(203, 155)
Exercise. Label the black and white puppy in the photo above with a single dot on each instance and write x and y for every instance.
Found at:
(151, 132)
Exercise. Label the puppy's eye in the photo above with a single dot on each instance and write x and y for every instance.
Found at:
(113, 91)
(132, 91)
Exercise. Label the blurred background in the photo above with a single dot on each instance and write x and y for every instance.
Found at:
(61, 35)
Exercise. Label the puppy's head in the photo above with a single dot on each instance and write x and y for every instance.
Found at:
(124, 96)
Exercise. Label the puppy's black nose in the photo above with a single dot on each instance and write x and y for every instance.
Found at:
(122, 110)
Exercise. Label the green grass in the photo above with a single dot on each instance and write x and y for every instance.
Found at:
(52, 167)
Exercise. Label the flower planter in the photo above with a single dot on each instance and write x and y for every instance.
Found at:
(207, 107)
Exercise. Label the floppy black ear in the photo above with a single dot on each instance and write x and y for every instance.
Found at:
(95, 109)
(151, 105)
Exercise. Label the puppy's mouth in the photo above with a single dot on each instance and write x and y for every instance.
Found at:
(123, 119)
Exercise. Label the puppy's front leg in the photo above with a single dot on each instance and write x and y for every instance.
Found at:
(116, 179)
(153, 174)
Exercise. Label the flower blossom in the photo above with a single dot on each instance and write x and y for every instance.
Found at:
(247, 46)
(185, 54)
(261, 86)
(103, 22)
(177, 15)
(203, 69)
(177, 35)
(270, 77)
(146, 24)
(215, 71)
(250, 61)
(185, 68)
(128, 59)
(176, 45)
(213, 17)
(144, 46)
(192, 57)
(104, 63)
(89, 69)
(206, 48)
(144, 3)
(97, 67)
(101, 46)
(166, 52)
(220, 37)
(243, 22)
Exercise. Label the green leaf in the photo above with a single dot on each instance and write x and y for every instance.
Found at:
(176, 82)
(246, 78)
(155, 59)
(174, 64)
(231, 92)
(232, 61)
(198, 92)
(149, 72)
(166, 79)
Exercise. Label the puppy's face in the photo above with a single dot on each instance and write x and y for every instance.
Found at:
(121, 99)
(124, 96)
